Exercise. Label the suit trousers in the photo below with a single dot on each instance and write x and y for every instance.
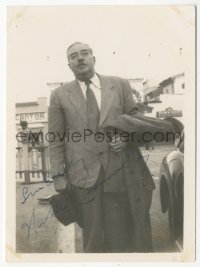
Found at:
(106, 218)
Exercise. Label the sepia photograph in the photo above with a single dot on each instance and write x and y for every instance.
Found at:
(99, 106)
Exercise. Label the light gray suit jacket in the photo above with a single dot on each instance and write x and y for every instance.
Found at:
(81, 161)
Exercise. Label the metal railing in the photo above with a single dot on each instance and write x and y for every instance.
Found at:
(32, 164)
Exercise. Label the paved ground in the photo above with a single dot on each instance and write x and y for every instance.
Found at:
(39, 231)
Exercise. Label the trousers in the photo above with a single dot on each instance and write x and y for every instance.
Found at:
(106, 219)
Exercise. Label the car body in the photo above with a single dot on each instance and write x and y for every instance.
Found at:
(171, 181)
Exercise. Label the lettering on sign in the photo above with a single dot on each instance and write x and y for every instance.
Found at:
(169, 112)
(32, 117)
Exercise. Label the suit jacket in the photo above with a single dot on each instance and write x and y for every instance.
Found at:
(81, 161)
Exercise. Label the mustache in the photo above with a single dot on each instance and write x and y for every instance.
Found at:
(82, 64)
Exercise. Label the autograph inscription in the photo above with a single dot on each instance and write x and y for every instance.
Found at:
(35, 223)
(26, 194)
(135, 157)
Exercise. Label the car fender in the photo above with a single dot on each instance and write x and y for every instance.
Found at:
(170, 172)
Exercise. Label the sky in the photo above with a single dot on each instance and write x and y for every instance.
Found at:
(127, 41)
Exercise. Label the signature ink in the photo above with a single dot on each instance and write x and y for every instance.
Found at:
(26, 194)
(36, 224)
(134, 157)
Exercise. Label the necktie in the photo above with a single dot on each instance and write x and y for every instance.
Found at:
(92, 109)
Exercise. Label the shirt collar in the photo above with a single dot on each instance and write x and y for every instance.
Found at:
(95, 80)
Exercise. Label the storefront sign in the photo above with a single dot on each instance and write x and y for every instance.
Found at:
(32, 117)
(169, 112)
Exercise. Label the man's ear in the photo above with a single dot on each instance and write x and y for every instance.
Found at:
(94, 59)
(69, 66)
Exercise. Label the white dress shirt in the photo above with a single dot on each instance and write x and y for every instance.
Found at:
(95, 87)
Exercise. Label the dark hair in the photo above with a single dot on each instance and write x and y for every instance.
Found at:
(75, 43)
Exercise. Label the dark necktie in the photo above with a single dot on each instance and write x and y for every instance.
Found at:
(92, 109)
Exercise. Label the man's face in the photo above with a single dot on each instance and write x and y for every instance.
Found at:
(81, 61)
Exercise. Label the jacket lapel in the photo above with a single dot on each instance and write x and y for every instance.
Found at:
(77, 98)
(107, 96)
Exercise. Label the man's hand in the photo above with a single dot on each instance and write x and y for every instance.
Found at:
(117, 145)
(61, 183)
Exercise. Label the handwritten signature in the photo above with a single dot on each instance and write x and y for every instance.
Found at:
(25, 190)
(26, 194)
(34, 223)
(73, 164)
(136, 157)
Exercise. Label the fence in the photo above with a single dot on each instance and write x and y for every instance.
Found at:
(32, 164)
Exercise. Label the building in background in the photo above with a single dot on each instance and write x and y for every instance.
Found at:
(174, 85)
(34, 113)
(151, 90)
(32, 161)
(137, 86)
(54, 85)
(167, 97)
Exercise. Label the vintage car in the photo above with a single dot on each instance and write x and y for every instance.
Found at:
(171, 181)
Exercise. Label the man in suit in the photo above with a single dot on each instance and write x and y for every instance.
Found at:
(107, 177)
